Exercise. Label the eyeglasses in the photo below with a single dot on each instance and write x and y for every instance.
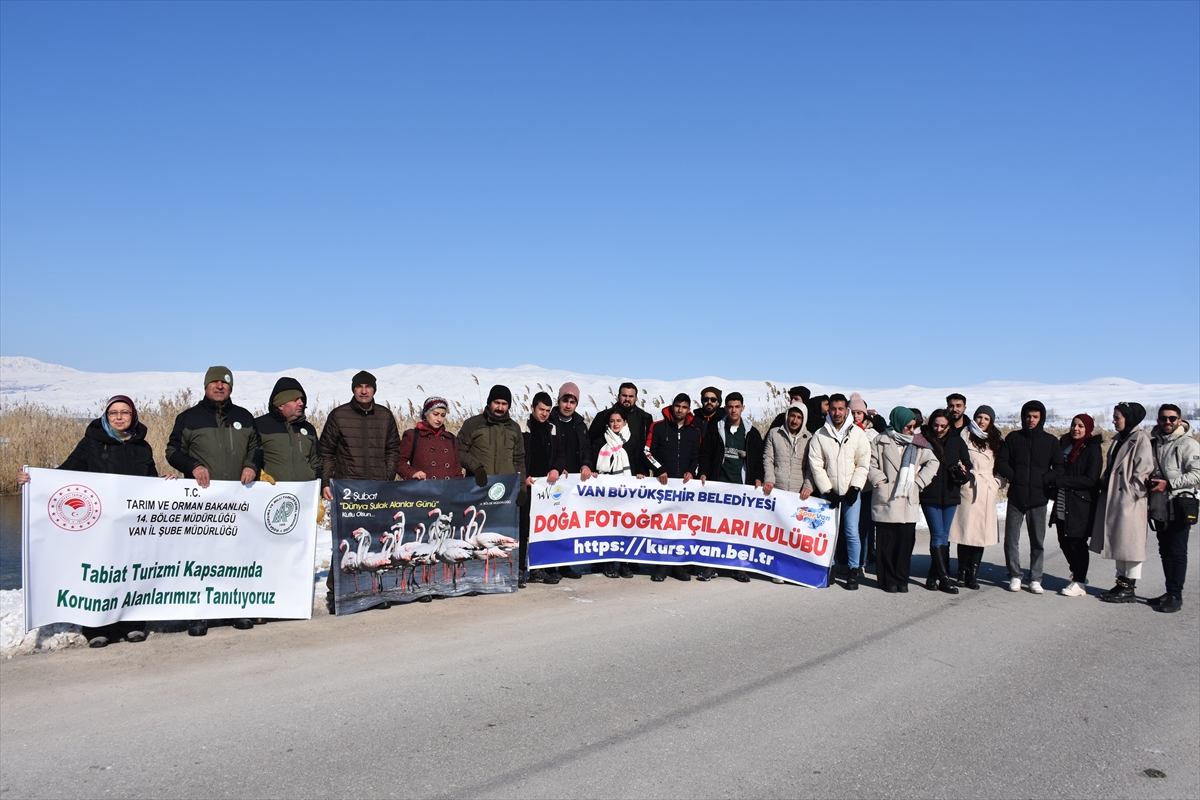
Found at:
(120, 413)
(1168, 419)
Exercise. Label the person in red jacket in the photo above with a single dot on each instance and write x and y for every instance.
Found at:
(429, 451)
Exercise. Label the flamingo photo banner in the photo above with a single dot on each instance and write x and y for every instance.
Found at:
(401, 541)
(722, 525)
(101, 548)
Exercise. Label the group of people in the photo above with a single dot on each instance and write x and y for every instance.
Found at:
(880, 474)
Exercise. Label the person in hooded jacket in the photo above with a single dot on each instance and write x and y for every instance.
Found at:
(731, 451)
(975, 524)
(796, 394)
(1177, 456)
(429, 451)
(673, 451)
(839, 458)
(290, 449)
(1026, 458)
(817, 407)
(617, 453)
(113, 443)
(902, 464)
(573, 451)
(1075, 487)
(1121, 525)
(940, 499)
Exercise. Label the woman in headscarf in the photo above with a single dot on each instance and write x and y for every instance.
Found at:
(114, 443)
(902, 464)
(1122, 523)
(940, 499)
(976, 525)
(1074, 487)
(615, 454)
(429, 451)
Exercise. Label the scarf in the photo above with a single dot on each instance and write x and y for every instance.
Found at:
(113, 432)
(976, 431)
(908, 463)
(841, 434)
(613, 459)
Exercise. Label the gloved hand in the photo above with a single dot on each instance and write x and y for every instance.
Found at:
(832, 498)
(481, 477)
(851, 497)
(263, 476)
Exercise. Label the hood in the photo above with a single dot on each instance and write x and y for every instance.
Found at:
(1033, 405)
(282, 385)
(669, 417)
(95, 430)
(1184, 429)
(814, 418)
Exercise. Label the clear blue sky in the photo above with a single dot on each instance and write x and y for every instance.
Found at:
(859, 194)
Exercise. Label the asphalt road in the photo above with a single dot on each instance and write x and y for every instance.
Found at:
(605, 688)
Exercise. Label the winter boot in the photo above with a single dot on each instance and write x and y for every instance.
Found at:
(852, 579)
(931, 580)
(1170, 605)
(972, 568)
(945, 582)
(1122, 592)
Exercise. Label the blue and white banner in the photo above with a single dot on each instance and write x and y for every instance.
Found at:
(722, 525)
(101, 548)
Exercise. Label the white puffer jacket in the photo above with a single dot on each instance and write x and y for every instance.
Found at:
(838, 465)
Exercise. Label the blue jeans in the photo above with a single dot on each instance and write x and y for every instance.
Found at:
(939, 519)
(855, 552)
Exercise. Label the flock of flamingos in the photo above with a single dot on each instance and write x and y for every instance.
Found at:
(432, 546)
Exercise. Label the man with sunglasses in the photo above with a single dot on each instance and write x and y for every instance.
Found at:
(710, 409)
(1177, 460)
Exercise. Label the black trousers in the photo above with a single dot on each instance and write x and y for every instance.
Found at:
(523, 516)
(893, 552)
(1075, 548)
(1172, 547)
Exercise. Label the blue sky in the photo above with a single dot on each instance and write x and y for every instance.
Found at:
(857, 194)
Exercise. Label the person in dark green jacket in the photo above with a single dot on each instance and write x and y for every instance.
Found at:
(215, 440)
(290, 449)
(492, 443)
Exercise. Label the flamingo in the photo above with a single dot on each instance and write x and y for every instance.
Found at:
(378, 563)
(349, 564)
(454, 552)
(421, 553)
(491, 542)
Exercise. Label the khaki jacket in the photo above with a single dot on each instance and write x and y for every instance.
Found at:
(976, 523)
(886, 456)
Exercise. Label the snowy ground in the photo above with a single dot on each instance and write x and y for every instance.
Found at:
(15, 640)
(407, 385)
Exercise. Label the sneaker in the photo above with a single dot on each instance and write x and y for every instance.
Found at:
(1073, 589)
(98, 641)
(625, 571)
(1035, 587)
(706, 574)
(1014, 585)
(135, 636)
(778, 580)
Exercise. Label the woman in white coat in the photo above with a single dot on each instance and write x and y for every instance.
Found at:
(1122, 521)
(902, 464)
(976, 525)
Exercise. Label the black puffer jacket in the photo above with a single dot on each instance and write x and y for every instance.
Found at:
(637, 419)
(540, 441)
(1024, 460)
(1080, 485)
(943, 490)
(99, 452)
(674, 450)
(574, 447)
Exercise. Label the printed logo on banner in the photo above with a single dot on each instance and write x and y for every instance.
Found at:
(282, 514)
(556, 491)
(813, 519)
(74, 508)
(496, 492)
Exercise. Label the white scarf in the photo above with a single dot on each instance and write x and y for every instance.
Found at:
(613, 459)
(977, 431)
(908, 465)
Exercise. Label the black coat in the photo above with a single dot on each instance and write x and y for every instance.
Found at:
(637, 419)
(712, 452)
(574, 447)
(540, 441)
(1024, 460)
(943, 489)
(674, 450)
(99, 452)
(1080, 483)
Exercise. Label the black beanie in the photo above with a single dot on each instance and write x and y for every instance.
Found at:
(361, 377)
(682, 398)
(499, 392)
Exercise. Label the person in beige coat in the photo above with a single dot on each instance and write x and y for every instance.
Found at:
(1122, 523)
(902, 464)
(785, 457)
(976, 525)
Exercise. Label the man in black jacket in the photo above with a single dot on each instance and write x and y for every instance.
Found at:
(673, 450)
(540, 441)
(956, 410)
(290, 450)
(731, 451)
(637, 419)
(573, 453)
(1025, 459)
(710, 407)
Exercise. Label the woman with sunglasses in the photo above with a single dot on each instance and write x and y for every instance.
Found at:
(114, 443)
(1119, 533)
(902, 464)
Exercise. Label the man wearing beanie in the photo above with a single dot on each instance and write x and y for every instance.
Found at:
(710, 408)
(492, 443)
(673, 450)
(573, 453)
(215, 440)
(360, 441)
(290, 450)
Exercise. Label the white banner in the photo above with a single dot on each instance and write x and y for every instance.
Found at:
(723, 525)
(100, 548)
